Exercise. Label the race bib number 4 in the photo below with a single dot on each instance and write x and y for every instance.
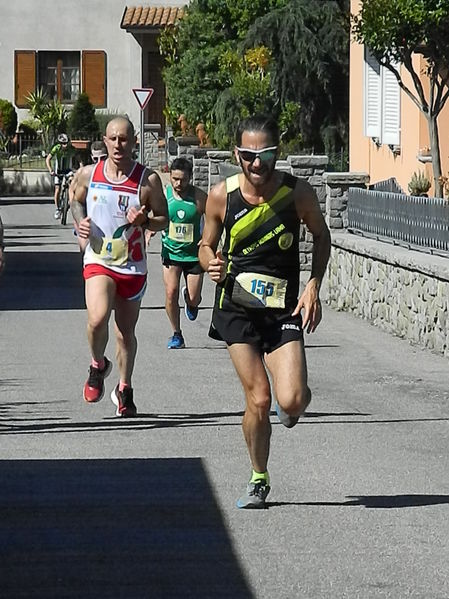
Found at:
(254, 290)
(114, 251)
(181, 232)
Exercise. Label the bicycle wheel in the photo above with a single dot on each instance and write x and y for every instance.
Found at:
(64, 205)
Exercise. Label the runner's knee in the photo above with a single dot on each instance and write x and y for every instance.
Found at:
(295, 403)
(259, 400)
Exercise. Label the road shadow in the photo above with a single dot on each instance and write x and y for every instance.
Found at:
(375, 501)
(42, 281)
(28, 201)
(20, 419)
(131, 528)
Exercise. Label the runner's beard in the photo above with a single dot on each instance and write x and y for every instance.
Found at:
(263, 173)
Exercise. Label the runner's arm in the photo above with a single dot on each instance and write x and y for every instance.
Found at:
(210, 259)
(309, 211)
(78, 194)
(155, 212)
(200, 200)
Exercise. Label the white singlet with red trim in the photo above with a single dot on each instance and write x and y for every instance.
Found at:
(113, 241)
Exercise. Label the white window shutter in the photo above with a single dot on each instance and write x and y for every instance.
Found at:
(391, 108)
(373, 97)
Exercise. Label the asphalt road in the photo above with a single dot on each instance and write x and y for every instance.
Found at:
(94, 506)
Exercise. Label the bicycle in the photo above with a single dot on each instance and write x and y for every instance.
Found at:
(64, 196)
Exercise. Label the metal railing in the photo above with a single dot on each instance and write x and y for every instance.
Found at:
(418, 222)
(22, 152)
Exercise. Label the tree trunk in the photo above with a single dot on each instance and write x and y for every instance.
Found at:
(435, 151)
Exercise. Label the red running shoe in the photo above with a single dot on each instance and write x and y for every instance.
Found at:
(94, 386)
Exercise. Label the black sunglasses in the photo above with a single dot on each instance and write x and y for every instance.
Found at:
(264, 155)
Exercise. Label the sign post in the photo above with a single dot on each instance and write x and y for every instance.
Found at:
(142, 95)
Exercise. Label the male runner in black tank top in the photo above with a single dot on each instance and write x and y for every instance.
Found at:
(257, 311)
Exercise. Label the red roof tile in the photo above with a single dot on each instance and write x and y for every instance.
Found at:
(142, 17)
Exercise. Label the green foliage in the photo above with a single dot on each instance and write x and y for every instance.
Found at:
(419, 184)
(50, 114)
(309, 42)
(248, 91)
(393, 29)
(82, 121)
(8, 118)
(227, 59)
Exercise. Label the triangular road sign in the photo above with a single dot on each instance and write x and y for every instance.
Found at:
(143, 95)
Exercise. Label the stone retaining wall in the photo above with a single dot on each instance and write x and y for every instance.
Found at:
(26, 182)
(399, 290)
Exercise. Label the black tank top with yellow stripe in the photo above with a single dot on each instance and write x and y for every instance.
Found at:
(261, 240)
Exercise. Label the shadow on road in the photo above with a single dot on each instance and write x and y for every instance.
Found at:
(376, 501)
(114, 528)
(42, 281)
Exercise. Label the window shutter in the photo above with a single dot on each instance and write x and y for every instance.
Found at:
(372, 100)
(24, 76)
(391, 108)
(94, 77)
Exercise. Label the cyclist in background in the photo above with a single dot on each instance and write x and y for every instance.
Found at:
(64, 155)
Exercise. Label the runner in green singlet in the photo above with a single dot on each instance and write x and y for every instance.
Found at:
(180, 242)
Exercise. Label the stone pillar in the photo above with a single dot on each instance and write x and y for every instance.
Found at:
(215, 158)
(283, 165)
(151, 134)
(310, 168)
(336, 189)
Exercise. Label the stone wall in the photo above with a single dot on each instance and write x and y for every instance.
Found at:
(26, 182)
(151, 145)
(404, 292)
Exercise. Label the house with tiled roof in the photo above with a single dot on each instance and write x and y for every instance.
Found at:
(105, 48)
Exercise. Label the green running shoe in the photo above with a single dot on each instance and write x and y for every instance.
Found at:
(254, 498)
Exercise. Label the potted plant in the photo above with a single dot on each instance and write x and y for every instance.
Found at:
(419, 184)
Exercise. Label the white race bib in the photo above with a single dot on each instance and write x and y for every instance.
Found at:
(113, 251)
(182, 232)
(254, 290)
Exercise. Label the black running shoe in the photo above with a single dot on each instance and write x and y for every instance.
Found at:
(126, 407)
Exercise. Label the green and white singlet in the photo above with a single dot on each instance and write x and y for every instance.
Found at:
(180, 239)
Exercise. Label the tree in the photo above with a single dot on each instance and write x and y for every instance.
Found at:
(50, 114)
(82, 121)
(309, 41)
(395, 30)
(8, 118)
(210, 76)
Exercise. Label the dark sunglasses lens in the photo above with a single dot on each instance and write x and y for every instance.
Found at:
(247, 156)
(267, 155)
(264, 156)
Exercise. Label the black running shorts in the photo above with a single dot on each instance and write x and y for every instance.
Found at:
(188, 268)
(267, 329)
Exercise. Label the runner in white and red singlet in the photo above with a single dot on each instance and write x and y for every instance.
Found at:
(112, 203)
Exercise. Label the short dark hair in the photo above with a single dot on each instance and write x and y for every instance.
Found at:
(259, 122)
(98, 146)
(182, 164)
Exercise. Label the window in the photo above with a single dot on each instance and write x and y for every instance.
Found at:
(59, 75)
(63, 75)
(382, 108)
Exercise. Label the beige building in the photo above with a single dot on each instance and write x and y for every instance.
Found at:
(103, 47)
(388, 135)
